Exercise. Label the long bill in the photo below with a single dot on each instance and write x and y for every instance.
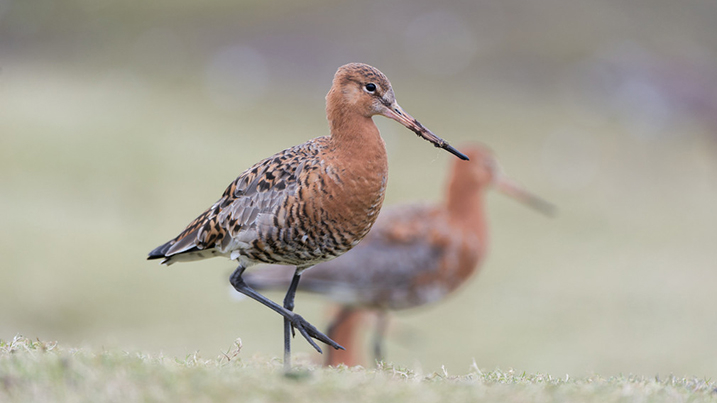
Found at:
(510, 188)
(395, 112)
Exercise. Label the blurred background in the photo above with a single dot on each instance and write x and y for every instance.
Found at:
(122, 121)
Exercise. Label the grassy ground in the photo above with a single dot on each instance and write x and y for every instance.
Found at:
(41, 371)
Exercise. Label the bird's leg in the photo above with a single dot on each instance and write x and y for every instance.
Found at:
(288, 329)
(343, 314)
(341, 317)
(305, 328)
(381, 322)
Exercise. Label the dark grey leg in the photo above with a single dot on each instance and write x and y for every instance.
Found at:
(289, 305)
(305, 328)
(381, 322)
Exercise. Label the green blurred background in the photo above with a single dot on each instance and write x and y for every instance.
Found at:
(120, 121)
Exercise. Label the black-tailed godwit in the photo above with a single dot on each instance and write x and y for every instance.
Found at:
(306, 204)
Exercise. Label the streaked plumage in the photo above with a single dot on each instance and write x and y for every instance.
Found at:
(279, 211)
(309, 203)
(414, 255)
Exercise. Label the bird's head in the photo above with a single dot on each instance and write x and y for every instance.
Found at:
(364, 90)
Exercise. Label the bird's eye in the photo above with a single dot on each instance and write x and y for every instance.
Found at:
(370, 88)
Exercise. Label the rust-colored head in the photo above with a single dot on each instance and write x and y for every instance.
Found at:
(364, 88)
(366, 91)
(483, 171)
(477, 174)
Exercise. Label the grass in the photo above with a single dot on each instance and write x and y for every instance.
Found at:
(42, 371)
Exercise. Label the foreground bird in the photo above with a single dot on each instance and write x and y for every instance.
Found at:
(306, 204)
(414, 255)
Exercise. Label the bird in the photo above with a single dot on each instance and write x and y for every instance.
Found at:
(306, 204)
(416, 254)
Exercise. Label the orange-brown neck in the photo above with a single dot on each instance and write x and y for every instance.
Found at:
(348, 126)
(355, 138)
(465, 203)
(358, 154)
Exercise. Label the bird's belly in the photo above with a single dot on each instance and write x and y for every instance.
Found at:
(300, 245)
(319, 222)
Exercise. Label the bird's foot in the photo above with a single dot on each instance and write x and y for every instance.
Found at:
(309, 331)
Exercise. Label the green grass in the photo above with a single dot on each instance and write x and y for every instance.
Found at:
(41, 371)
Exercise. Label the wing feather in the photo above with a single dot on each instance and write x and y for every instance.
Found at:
(251, 199)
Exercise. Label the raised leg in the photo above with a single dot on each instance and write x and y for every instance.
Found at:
(289, 305)
(381, 322)
(305, 328)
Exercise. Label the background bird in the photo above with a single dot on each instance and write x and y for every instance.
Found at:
(415, 254)
(306, 204)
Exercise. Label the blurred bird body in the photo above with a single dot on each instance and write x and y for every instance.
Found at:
(414, 255)
(309, 203)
